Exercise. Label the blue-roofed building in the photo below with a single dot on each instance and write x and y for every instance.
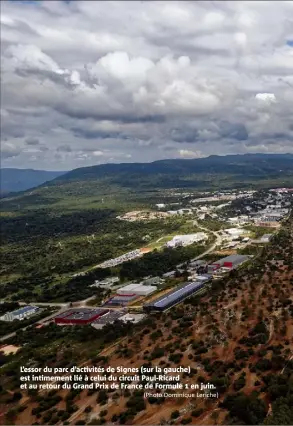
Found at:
(20, 314)
(173, 297)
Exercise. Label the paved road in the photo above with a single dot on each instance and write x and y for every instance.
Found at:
(216, 243)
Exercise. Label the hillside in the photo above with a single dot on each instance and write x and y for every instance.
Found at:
(70, 224)
(142, 183)
(14, 180)
(238, 337)
(201, 172)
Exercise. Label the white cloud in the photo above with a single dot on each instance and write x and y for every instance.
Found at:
(185, 153)
(30, 57)
(268, 98)
(98, 153)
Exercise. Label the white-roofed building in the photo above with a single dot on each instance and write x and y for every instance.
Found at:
(137, 289)
(235, 232)
(185, 240)
(134, 318)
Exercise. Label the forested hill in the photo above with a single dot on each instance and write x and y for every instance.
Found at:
(13, 180)
(189, 173)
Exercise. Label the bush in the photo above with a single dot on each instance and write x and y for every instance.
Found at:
(186, 421)
(175, 414)
(197, 413)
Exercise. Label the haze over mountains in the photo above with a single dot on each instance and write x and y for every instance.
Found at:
(13, 179)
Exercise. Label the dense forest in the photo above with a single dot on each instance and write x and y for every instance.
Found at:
(77, 288)
(158, 262)
(50, 246)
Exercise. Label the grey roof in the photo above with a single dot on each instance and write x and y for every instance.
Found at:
(233, 258)
(110, 317)
(190, 288)
(166, 274)
(197, 262)
(121, 299)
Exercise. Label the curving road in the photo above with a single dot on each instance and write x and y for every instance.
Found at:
(218, 241)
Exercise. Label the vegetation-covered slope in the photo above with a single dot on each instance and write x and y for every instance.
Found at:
(238, 337)
(70, 223)
(189, 173)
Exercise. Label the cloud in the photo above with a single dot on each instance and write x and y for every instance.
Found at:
(268, 98)
(9, 150)
(32, 141)
(64, 148)
(189, 154)
(236, 131)
(98, 153)
(185, 134)
(141, 80)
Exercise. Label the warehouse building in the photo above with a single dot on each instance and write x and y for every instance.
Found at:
(228, 262)
(152, 281)
(235, 232)
(20, 314)
(138, 289)
(133, 318)
(80, 316)
(203, 278)
(127, 289)
(196, 263)
(173, 297)
(266, 238)
(185, 240)
(121, 299)
(109, 318)
(106, 283)
(268, 224)
(169, 274)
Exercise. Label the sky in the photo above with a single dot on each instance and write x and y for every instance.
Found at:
(92, 82)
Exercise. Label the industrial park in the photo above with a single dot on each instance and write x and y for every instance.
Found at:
(223, 237)
(132, 301)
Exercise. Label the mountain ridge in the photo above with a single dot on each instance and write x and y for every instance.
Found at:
(208, 173)
(213, 158)
(164, 171)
